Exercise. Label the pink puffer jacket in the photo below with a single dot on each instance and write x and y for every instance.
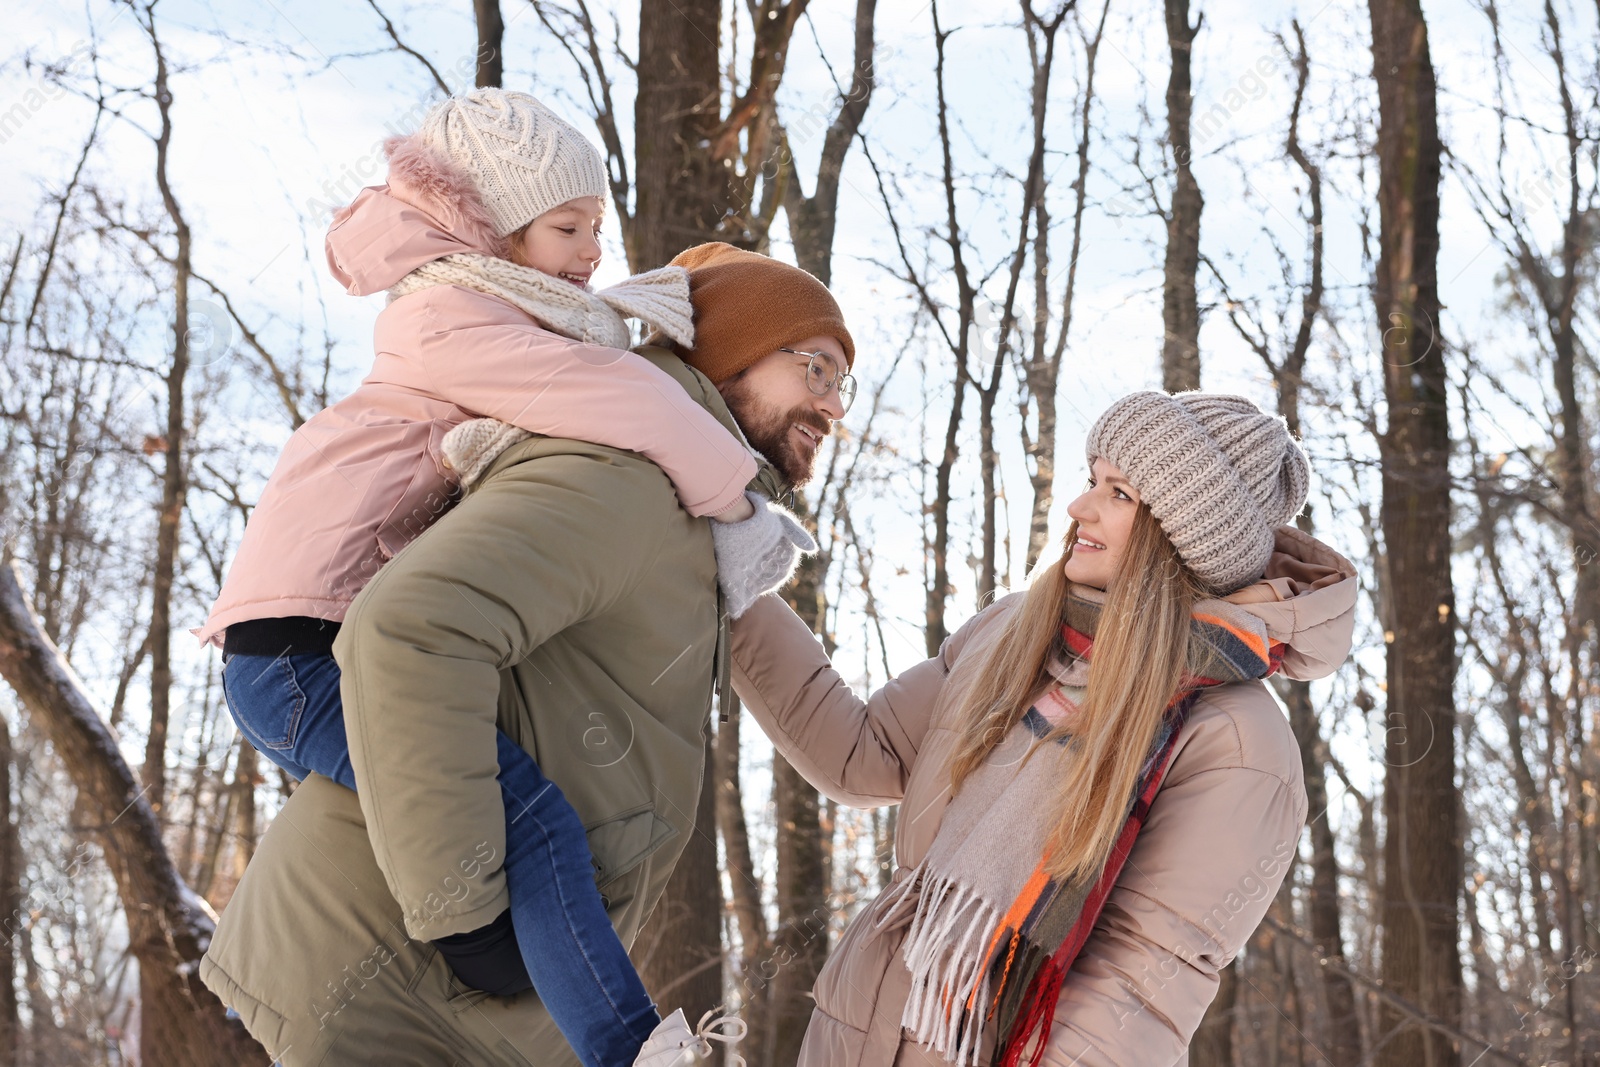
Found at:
(362, 478)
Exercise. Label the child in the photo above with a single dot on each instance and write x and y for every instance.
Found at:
(485, 237)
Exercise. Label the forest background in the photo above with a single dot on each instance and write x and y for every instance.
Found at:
(1377, 218)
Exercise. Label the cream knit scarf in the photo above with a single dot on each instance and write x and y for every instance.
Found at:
(658, 298)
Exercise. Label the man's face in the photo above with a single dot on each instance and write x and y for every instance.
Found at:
(783, 419)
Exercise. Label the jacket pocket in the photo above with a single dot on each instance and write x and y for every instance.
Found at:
(622, 842)
(426, 495)
(471, 1012)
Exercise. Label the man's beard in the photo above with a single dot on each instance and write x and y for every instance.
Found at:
(768, 430)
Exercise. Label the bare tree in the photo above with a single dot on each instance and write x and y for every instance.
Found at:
(491, 42)
(744, 879)
(1180, 309)
(1546, 285)
(174, 478)
(956, 337)
(812, 219)
(168, 926)
(1042, 369)
(1041, 38)
(401, 46)
(781, 1009)
(1422, 854)
(10, 903)
(684, 193)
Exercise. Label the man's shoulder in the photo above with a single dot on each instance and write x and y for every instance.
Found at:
(609, 479)
(696, 384)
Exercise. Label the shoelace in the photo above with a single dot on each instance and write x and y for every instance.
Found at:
(709, 1029)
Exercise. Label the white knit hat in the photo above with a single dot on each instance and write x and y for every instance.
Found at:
(524, 158)
(1218, 473)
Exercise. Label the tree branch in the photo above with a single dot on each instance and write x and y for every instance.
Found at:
(394, 35)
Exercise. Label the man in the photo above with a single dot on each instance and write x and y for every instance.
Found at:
(571, 603)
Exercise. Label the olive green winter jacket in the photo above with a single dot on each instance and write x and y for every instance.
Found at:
(567, 600)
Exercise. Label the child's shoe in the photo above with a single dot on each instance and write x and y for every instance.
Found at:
(673, 1044)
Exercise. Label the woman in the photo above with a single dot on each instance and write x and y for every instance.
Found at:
(1049, 905)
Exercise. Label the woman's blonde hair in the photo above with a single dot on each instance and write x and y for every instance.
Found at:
(1140, 650)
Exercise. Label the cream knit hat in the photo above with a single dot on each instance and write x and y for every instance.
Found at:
(524, 158)
(1218, 473)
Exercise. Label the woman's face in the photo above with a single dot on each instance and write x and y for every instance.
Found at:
(1104, 513)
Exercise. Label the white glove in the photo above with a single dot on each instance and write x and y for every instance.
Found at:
(757, 555)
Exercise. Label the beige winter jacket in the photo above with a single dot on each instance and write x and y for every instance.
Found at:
(1220, 837)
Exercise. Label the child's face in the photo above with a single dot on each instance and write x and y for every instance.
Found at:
(564, 241)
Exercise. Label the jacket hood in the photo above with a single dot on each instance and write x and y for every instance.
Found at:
(1308, 601)
(428, 210)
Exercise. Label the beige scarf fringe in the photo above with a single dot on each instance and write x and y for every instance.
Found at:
(946, 952)
(989, 842)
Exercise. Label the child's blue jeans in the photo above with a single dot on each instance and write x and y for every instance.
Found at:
(289, 708)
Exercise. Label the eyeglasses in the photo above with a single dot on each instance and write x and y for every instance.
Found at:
(821, 377)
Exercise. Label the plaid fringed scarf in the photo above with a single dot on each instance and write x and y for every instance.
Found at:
(993, 936)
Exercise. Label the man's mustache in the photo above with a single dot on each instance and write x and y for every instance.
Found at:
(808, 417)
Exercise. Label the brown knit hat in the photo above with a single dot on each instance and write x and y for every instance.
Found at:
(747, 305)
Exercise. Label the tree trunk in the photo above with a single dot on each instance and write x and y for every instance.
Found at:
(174, 483)
(246, 776)
(1554, 282)
(938, 590)
(677, 199)
(10, 905)
(1042, 375)
(1043, 369)
(812, 218)
(679, 192)
(1575, 477)
(800, 942)
(491, 34)
(746, 888)
(1343, 1046)
(1422, 850)
(181, 1021)
(1180, 311)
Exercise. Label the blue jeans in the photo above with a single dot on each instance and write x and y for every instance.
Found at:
(289, 708)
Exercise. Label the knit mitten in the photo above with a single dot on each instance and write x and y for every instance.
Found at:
(757, 555)
(472, 446)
